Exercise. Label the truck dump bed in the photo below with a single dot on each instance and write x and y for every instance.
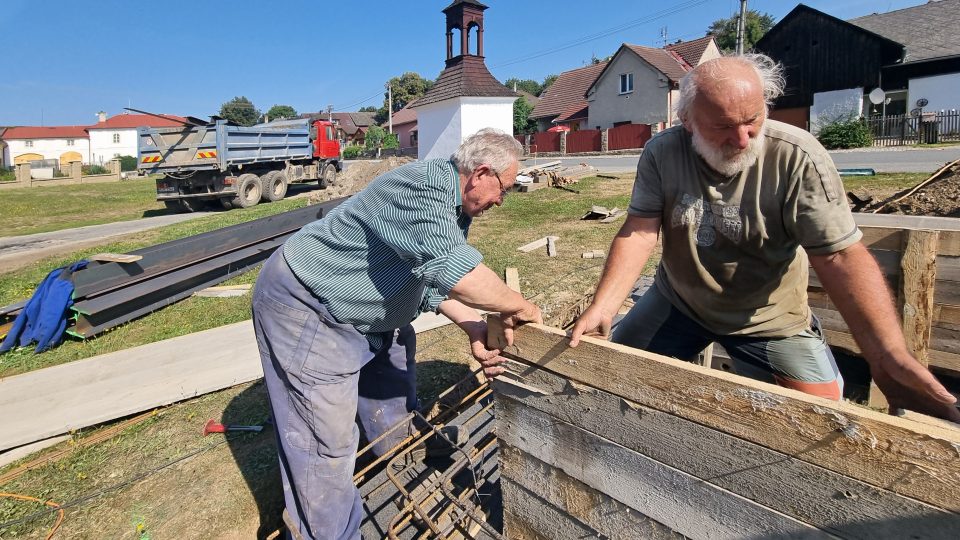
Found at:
(219, 146)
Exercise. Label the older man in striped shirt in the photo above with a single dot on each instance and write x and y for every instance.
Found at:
(332, 313)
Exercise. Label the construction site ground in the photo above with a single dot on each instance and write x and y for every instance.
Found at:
(156, 476)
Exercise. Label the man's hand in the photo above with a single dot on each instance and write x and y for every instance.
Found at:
(489, 359)
(529, 313)
(907, 384)
(594, 323)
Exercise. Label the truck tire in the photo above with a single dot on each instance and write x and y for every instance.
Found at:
(175, 206)
(329, 176)
(274, 186)
(249, 191)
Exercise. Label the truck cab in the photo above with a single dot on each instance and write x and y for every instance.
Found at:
(325, 142)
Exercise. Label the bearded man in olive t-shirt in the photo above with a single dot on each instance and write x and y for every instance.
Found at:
(736, 196)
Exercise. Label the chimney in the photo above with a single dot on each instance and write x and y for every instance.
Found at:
(101, 117)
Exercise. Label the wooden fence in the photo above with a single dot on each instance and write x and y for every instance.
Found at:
(628, 136)
(547, 141)
(584, 140)
(608, 441)
(924, 128)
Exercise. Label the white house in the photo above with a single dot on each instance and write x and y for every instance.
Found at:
(117, 136)
(30, 143)
(466, 97)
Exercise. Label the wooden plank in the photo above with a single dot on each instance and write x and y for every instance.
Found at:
(512, 276)
(536, 244)
(527, 170)
(903, 456)
(897, 221)
(531, 487)
(840, 505)
(551, 246)
(688, 505)
(122, 258)
(882, 238)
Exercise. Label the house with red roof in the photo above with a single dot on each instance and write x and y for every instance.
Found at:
(640, 85)
(98, 143)
(117, 136)
(405, 128)
(32, 143)
(564, 102)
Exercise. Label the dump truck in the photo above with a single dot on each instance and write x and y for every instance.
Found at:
(237, 166)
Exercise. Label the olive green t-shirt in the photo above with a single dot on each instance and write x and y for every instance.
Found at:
(730, 258)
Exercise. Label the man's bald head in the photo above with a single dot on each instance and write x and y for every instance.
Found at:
(734, 76)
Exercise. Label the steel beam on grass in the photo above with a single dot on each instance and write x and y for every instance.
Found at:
(106, 311)
(98, 279)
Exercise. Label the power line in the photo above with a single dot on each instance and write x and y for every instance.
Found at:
(604, 33)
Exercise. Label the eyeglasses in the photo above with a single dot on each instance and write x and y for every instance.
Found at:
(503, 192)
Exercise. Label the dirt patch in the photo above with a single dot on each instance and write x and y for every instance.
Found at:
(356, 177)
(939, 196)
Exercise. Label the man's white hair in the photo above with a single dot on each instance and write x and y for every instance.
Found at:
(489, 146)
(769, 72)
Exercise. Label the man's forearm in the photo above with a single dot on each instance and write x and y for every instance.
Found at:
(482, 289)
(464, 316)
(629, 252)
(854, 282)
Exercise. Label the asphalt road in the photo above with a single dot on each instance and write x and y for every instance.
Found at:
(890, 160)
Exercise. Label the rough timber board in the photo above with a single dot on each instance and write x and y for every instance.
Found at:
(540, 490)
(840, 505)
(910, 458)
(688, 505)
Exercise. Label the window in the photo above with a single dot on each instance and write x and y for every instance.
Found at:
(28, 144)
(116, 138)
(626, 83)
(69, 142)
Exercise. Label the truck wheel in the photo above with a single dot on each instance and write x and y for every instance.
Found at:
(194, 205)
(249, 190)
(175, 206)
(329, 176)
(226, 204)
(274, 186)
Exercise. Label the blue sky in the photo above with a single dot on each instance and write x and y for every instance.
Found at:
(65, 60)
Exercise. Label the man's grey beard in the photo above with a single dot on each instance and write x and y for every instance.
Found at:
(727, 160)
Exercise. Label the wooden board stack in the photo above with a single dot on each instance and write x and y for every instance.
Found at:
(612, 441)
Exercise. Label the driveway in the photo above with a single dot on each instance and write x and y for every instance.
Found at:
(19, 251)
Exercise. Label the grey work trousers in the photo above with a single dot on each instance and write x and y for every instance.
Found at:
(321, 377)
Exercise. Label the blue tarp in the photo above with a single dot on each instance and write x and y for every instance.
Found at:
(44, 317)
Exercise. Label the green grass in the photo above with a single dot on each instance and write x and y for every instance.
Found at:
(53, 208)
(190, 315)
(884, 181)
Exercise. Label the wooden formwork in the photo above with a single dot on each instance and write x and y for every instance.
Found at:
(920, 257)
(608, 440)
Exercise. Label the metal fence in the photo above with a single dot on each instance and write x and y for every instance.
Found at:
(925, 128)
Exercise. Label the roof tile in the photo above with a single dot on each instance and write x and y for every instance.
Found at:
(51, 132)
(464, 76)
(567, 91)
(927, 31)
(691, 51)
(126, 121)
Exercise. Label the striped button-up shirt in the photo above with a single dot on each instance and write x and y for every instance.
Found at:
(390, 252)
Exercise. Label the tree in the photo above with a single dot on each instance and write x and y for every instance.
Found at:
(406, 88)
(522, 124)
(374, 137)
(725, 30)
(368, 108)
(529, 86)
(241, 111)
(279, 112)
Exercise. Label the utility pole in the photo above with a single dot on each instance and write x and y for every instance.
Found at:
(741, 23)
(329, 113)
(389, 108)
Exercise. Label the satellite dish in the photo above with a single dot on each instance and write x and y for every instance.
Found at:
(877, 96)
(922, 102)
(915, 112)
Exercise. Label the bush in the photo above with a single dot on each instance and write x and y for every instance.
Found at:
(94, 169)
(128, 163)
(853, 133)
(352, 152)
(7, 175)
(391, 141)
